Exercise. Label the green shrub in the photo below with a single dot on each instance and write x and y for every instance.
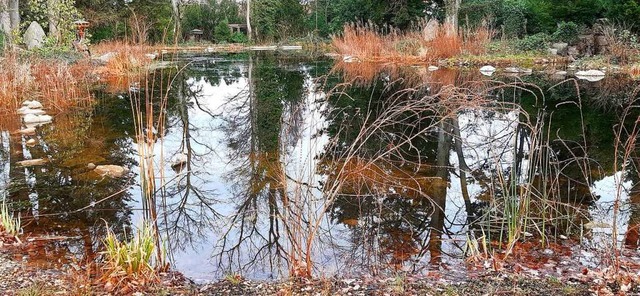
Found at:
(238, 37)
(534, 42)
(221, 32)
(513, 19)
(566, 32)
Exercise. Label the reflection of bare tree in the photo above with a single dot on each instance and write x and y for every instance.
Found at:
(187, 208)
(261, 122)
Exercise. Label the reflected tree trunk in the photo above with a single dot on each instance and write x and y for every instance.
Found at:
(439, 197)
(462, 166)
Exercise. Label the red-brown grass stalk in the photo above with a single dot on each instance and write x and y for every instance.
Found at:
(57, 84)
(128, 63)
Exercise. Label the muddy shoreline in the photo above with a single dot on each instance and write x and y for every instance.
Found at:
(17, 278)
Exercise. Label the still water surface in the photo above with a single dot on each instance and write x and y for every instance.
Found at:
(275, 148)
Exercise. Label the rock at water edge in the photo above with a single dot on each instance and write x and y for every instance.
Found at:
(113, 171)
(32, 162)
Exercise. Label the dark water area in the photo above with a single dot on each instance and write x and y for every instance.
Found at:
(267, 162)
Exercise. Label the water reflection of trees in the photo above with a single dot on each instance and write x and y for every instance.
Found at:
(513, 143)
(64, 193)
(261, 124)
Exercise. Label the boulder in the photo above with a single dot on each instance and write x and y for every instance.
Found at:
(573, 51)
(34, 36)
(91, 166)
(562, 48)
(430, 30)
(31, 142)
(113, 171)
(105, 58)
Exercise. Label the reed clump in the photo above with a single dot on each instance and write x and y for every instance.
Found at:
(58, 84)
(124, 63)
(427, 41)
(129, 265)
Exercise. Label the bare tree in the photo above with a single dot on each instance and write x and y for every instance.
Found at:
(248, 15)
(175, 7)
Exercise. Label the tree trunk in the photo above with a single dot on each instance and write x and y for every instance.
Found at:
(53, 20)
(452, 7)
(248, 15)
(175, 6)
(14, 16)
(5, 20)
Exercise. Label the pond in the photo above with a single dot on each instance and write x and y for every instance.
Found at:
(266, 165)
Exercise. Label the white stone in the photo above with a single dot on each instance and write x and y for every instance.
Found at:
(511, 70)
(487, 70)
(33, 118)
(26, 110)
(433, 68)
(350, 59)
(590, 73)
(35, 105)
(31, 142)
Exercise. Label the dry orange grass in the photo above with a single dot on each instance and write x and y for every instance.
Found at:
(428, 41)
(127, 65)
(127, 59)
(57, 84)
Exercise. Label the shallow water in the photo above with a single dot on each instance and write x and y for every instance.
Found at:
(277, 148)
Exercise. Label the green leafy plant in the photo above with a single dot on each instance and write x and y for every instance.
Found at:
(566, 32)
(536, 42)
(10, 224)
(238, 37)
(129, 264)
